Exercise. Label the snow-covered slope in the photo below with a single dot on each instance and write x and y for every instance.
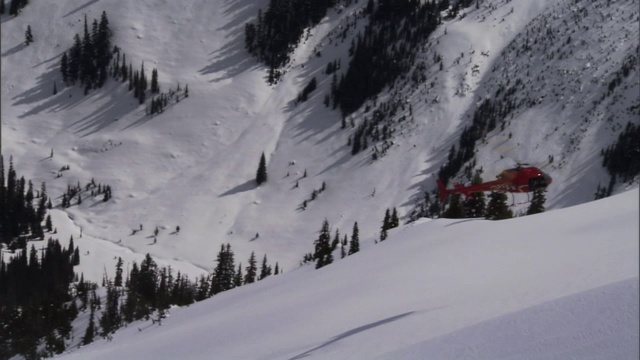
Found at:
(563, 284)
(558, 285)
(193, 166)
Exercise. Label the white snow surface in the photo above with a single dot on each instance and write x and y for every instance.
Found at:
(558, 285)
(194, 165)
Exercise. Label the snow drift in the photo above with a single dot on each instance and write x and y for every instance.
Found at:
(558, 285)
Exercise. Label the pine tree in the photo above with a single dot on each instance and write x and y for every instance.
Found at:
(117, 282)
(76, 257)
(261, 174)
(103, 52)
(455, 210)
(265, 269)
(146, 283)
(354, 245)
(48, 225)
(87, 73)
(131, 303)
(224, 271)
(336, 240)
(110, 319)
(238, 278)
(154, 81)
(323, 251)
(385, 225)
(28, 36)
(395, 221)
(90, 332)
(75, 58)
(537, 203)
(251, 270)
(497, 208)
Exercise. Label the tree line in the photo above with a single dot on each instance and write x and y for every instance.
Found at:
(92, 58)
(277, 30)
(36, 301)
(325, 246)
(148, 290)
(15, 6)
(621, 159)
(22, 208)
(386, 49)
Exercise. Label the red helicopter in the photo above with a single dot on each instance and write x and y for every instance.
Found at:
(516, 180)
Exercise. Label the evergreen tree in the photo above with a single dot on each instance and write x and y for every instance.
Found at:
(48, 225)
(154, 81)
(75, 58)
(251, 270)
(117, 282)
(336, 240)
(261, 174)
(131, 303)
(224, 271)
(87, 73)
(265, 269)
(385, 225)
(238, 279)
(323, 251)
(110, 319)
(354, 245)
(455, 210)
(102, 46)
(395, 221)
(537, 203)
(146, 286)
(28, 36)
(90, 332)
(497, 208)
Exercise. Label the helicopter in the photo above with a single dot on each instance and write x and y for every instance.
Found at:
(521, 179)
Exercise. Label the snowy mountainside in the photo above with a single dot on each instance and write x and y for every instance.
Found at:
(193, 165)
(562, 69)
(557, 285)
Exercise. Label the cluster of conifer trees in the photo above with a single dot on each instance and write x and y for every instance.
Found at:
(622, 159)
(91, 189)
(148, 291)
(487, 116)
(497, 208)
(15, 6)
(91, 60)
(279, 29)
(87, 62)
(385, 50)
(324, 246)
(20, 218)
(390, 221)
(36, 304)
(375, 129)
